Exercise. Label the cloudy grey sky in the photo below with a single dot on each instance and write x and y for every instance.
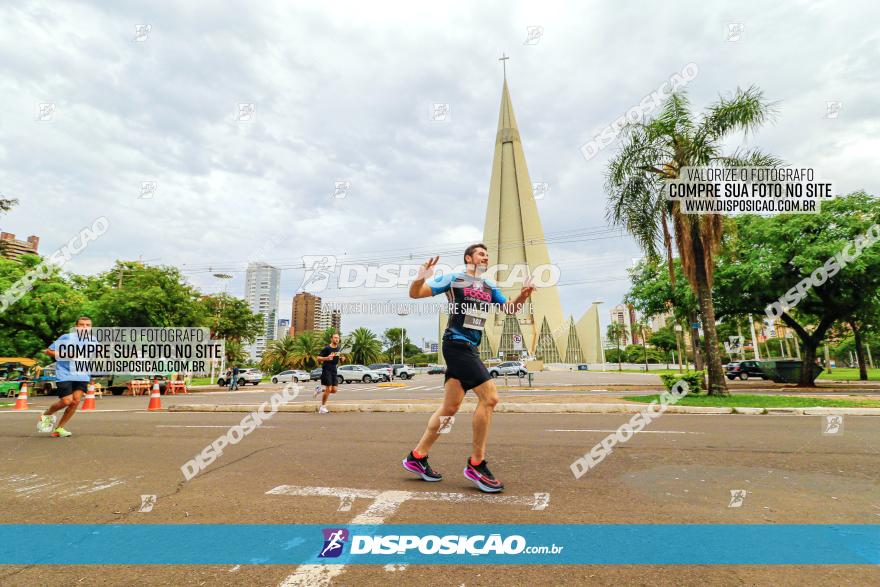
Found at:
(343, 91)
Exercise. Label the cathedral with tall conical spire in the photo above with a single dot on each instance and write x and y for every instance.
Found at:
(514, 238)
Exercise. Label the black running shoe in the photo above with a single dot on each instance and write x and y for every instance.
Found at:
(421, 468)
(482, 477)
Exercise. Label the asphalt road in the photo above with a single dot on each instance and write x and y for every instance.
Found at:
(426, 387)
(682, 471)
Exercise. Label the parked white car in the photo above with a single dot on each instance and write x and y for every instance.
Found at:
(295, 375)
(349, 373)
(383, 368)
(403, 371)
(248, 375)
(509, 368)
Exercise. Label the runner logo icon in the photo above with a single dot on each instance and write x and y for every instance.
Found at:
(334, 541)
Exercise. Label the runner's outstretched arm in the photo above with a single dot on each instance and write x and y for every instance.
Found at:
(418, 288)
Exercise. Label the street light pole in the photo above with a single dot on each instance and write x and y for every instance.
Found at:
(224, 277)
(401, 313)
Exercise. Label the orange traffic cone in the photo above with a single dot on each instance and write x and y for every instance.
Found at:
(89, 402)
(21, 400)
(155, 397)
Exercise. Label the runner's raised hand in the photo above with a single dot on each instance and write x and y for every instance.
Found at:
(427, 268)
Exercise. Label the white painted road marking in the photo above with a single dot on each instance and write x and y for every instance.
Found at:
(537, 501)
(384, 504)
(200, 426)
(636, 431)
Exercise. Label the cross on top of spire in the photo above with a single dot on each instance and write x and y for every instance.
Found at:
(503, 59)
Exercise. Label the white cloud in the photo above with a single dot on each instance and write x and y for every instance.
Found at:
(343, 91)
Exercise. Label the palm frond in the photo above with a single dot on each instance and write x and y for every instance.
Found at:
(745, 111)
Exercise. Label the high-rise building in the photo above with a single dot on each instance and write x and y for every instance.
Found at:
(282, 329)
(262, 291)
(620, 315)
(308, 313)
(514, 236)
(625, 314)
(328, 319)
(12, 248)
(305, 310)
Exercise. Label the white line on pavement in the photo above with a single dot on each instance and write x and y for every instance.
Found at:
(636, 431)
(384, 504)
(193, 426)
(415, 388)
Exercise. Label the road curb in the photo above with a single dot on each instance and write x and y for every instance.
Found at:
(845, 411)
(536, 408)
(784, 411)
(749, 411)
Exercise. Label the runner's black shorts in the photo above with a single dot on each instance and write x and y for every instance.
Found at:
(329, 377)
(65, 388)
(463, 363)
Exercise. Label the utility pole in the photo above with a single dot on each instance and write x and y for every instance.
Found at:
(754, 339)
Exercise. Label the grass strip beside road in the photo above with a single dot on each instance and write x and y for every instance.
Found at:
(847, 374)
(761, 401)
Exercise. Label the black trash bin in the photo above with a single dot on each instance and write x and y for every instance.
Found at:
(786, 370)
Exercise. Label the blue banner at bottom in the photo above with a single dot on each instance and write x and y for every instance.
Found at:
(544, 544)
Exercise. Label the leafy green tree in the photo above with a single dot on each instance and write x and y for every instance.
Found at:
(391, 341)
(616, 355)
(765, 258)
(133, 294)
(366, 348)
(651, 291)
(664, 339)
(654, 152)
(6, 204)
(48, 310)
(230, 318)
(235, 352)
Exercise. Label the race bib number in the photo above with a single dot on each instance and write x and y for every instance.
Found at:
(475, 319)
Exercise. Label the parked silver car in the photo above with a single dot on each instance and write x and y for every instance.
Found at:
(295, 375)
(349, 373)
(509, 368)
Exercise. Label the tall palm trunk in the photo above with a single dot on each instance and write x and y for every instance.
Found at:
(717, 385)
(670, 266)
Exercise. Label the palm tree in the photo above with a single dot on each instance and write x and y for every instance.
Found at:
(615, 332)
(234, 351)
(365, 347)
(280, 355)
(327, 335)
(655, 151)
(642, 324)
(306, 348)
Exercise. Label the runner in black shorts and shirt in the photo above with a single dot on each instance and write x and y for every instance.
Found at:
(329, 358)
(471, 298)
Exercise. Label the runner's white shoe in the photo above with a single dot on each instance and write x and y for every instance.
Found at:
(46, 423)
(323, 410)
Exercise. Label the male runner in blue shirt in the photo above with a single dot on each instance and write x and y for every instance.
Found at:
(470, 298)
(71, 384)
